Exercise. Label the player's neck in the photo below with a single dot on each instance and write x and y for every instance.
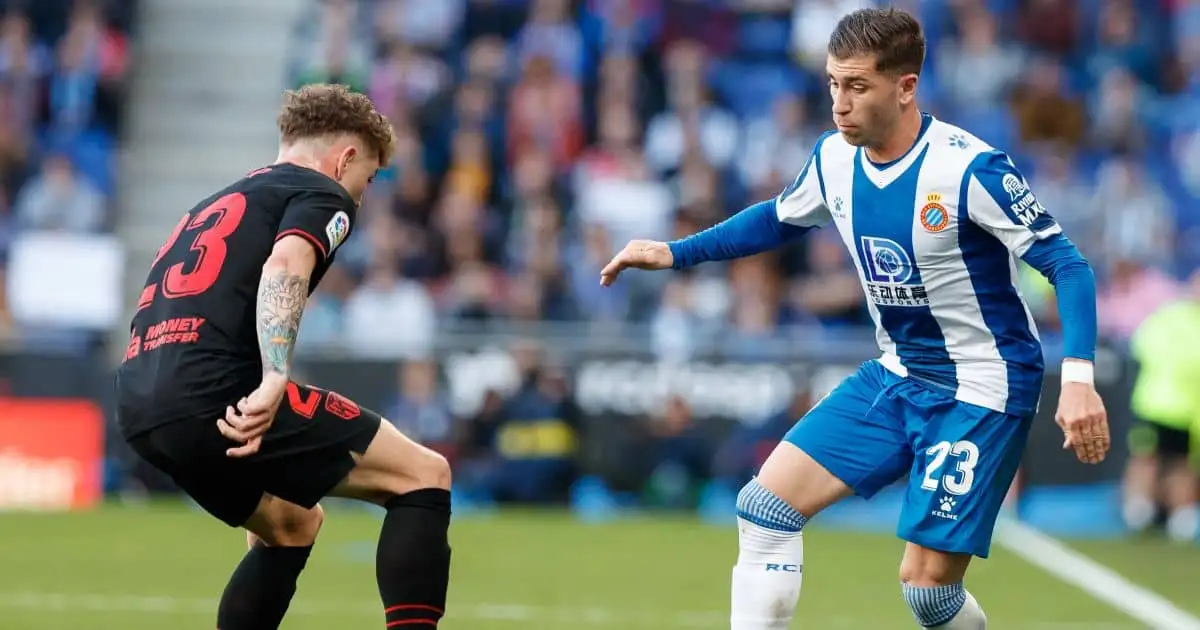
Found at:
(904, 137)
(298, 157)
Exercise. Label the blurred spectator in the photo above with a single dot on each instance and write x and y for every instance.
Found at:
(1062, 192)
(747, 446)
(682, 453)
(674, 327)
(1116, 112)
(1160, 471)
(546, 113)
(831, 291)
(1125, 40)
(1137, 220)
(406, 79)
(321, 327)
(336, 50)
(586, 259)
(430, 25)
(624, 26)
(812, 22)
(979, 70)
(692, 122)
(421, 410)
(777, 145)
(389, 315)
(24, 63)
(536, 438)
(1044, 107)
(59, 199)
(86, 83)
(1132, 293)
(551, 35)
(1049, 26)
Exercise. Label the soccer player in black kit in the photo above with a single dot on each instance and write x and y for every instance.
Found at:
(205, 394)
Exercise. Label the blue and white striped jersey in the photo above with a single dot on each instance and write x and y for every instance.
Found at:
(935, 236)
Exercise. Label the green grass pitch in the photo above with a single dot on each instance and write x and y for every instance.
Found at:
(163, 566)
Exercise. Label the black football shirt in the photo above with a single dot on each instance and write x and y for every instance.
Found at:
(193, 344)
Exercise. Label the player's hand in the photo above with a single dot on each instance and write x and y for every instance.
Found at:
(651, 255)
(253, 416)
(1084, 422)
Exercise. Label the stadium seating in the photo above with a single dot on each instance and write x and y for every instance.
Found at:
(63, 77)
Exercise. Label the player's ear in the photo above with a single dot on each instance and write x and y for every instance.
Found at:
(347, 156)
(907, 88)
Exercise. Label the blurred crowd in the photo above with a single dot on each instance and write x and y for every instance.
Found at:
(63, 74)
(537, 136)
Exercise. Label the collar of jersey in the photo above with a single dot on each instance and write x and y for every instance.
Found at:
(883, 174)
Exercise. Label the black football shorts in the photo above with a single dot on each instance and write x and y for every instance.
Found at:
(303, 456)
(1152, 438)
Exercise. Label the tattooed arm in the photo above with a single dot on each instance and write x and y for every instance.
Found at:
(282, 295)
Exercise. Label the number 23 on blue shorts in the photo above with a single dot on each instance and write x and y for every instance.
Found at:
(960, 458)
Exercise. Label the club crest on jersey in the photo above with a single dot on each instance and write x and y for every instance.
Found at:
(933, 215)
(889, 272)
(337, 229)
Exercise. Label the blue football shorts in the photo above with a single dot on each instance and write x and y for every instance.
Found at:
(960, 458)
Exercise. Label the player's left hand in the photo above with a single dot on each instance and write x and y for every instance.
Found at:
(1084, 421)
(253, 416)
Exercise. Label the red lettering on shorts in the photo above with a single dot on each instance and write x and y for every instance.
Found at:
(301, 404)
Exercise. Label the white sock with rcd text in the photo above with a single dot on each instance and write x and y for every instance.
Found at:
(767, 576)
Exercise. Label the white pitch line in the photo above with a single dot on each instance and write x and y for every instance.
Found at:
(1099, 581)
(512, 613)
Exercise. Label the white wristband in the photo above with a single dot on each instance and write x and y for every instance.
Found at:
(1078, 372)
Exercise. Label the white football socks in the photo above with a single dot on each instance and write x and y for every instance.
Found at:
(1138, 513)
(1183, 525)
(767, 576)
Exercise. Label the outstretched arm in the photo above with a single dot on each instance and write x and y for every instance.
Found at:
(752, 231)
(756, 229)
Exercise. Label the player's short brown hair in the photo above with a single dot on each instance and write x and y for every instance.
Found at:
(892, 35)
(323, 109)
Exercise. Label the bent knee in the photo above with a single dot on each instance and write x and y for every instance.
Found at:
(757, 504)
(923, 568)
(425, 468)
(293, 527)
(794, 476)
(433, 471)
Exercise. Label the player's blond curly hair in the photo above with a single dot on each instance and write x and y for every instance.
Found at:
(322, 109)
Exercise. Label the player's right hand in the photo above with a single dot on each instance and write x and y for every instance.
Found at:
(253, 416)
(650, 255)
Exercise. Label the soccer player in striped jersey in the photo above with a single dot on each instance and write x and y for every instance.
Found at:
(935, 220)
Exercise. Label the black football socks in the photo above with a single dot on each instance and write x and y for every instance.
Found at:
(412, 562)
(261, 588)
